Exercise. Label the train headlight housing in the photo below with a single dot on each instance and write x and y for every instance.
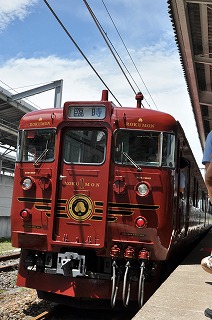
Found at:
(27, 183)
(143, 189)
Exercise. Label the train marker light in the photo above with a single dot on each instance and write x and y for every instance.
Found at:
(119, 186)
(25, 214)
(143, 189)
(44, 183)
(140, 222)
(28, 183)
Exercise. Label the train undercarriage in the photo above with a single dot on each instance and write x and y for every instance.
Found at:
(80, 275)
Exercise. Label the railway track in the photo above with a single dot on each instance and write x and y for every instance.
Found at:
(8, 273)
(9, 262)
(10, 256)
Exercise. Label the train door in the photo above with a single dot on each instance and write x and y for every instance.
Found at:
(184, 193)
(82, 195)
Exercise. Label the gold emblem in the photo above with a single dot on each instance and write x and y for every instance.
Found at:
(80, 207)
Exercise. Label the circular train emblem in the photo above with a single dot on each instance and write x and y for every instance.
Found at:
(80, 207)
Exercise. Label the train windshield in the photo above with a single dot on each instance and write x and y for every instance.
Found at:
(85, 146)
(145, 148)
(36, 145)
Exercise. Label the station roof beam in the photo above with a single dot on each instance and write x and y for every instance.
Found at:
(192, 23)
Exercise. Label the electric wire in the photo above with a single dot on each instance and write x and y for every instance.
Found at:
(129, 56)
(76, 45)
(5, 103)
(107, 40)
(32, 85)
(103, 33)
(123, 44)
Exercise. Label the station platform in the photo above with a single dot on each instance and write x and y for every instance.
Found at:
(186, 293)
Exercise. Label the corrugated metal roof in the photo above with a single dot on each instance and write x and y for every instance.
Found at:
(192, 23)
(10, 114)
(12, 109)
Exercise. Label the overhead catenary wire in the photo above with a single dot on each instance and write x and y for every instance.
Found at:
(129, 55)
(76, 45)
(103, 33)
(122, 43)
(109, 43)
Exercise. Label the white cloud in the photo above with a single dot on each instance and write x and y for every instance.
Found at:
(11, 10)
(160, 69)
(158, 64)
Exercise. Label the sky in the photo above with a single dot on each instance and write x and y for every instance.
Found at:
(35, 50)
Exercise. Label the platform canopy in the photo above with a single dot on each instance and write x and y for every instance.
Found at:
(12, 109)
(192, 23)
(10, 114)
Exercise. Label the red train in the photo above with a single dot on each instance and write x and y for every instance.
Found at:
(97, 203)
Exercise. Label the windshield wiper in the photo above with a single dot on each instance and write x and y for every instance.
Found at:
(132, 161)
(41, 156)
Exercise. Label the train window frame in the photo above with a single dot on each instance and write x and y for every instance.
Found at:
(85, 150)
(122, 152)
(28, 150)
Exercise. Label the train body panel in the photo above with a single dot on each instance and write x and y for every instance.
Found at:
(127, 210)
(97, 196)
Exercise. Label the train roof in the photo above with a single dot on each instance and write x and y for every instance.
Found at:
(142, 118)
(129, 117)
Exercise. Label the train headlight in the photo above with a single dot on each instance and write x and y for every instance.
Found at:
(28, 183)
(143, 189)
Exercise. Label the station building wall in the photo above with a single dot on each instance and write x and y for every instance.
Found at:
(6, 190)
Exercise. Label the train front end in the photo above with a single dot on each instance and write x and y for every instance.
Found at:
(88, 203)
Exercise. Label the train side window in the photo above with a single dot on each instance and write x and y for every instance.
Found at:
(168, 150)
(203, 205)
(197, 196)
(196, 193)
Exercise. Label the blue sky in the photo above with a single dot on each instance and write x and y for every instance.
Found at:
(35, 50)
(35, 32)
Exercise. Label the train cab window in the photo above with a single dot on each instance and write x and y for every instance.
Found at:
(168, 150)
(146, 148)
(85, 146)
(36, 145)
